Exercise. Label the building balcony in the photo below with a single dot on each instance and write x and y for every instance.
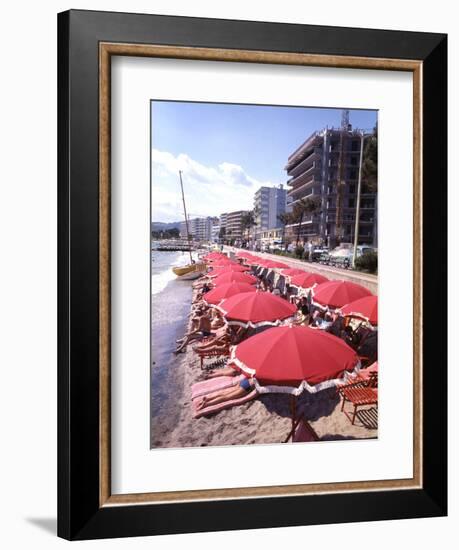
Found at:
(302, 151)
(312, 169)
(302, 182)
(310, 162)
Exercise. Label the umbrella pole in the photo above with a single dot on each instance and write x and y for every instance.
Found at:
(293, 411)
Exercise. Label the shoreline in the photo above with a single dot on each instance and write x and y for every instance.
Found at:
(265, 420)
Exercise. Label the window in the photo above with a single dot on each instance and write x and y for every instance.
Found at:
(352, 188)
(351, 203)
(353, 174)
(354, 145)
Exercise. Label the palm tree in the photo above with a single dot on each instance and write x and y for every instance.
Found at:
(309, 205)
(285, 218)
(248, 221)
(370, 162)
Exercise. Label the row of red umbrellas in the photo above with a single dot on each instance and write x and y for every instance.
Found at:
(289, 359)
(348, 297)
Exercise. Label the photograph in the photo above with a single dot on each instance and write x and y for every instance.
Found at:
(264, 274)
(235, 192)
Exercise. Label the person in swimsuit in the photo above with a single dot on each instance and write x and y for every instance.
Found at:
(203, 329)
(245, 386)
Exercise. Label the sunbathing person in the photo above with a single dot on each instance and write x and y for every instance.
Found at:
(245, 386)
(225, 371)
(217, 318)
(215, 345)
(202, 329)
(220, 335)
(196, 316)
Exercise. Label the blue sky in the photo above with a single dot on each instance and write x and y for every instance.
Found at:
(227, 151)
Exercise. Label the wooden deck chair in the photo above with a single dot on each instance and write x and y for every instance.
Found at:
(360, 394)
(225, 352)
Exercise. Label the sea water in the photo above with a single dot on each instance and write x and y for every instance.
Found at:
(170, 308)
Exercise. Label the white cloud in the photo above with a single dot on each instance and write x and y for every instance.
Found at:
(209, 190)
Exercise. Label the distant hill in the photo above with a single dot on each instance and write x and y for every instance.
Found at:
(161, 226)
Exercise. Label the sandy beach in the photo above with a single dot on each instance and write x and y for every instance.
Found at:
(265, 420)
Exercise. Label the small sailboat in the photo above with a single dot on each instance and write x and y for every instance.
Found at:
(192, 270)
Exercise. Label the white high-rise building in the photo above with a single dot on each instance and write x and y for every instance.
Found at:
(200, 229)
(269, 203)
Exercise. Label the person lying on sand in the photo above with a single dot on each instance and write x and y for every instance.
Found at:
(224, 336)
(215, 345)
(245, 386)
(225, 371)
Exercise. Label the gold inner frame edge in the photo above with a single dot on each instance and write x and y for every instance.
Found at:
(106, 51)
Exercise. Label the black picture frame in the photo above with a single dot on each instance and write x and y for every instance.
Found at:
(80, 515)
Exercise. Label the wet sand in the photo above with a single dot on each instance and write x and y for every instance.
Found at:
(266, 419)
(170, 311)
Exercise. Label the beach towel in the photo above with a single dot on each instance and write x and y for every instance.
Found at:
(221, 406)
(214, 384)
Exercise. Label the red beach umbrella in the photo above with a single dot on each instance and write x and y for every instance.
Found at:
(273, 264)
(214, 255)
(234, 277)
(291, 271)
(256, 309)
(289, 359)
(216, 271)
(221, 261)
(308, 280)
(364, 308)
(243, 254)
(219, 293)
(260, 261)
(254, 260)
(338, 293)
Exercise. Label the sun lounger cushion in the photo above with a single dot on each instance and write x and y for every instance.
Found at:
(213, 384)
(221, 406)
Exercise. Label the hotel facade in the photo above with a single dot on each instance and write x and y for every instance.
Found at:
(200, 229)
(326, 165)
(232, 223)
(269, 203)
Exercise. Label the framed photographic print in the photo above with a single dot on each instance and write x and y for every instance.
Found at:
(234, 199)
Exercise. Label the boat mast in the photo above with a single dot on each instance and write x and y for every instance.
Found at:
(186, 217)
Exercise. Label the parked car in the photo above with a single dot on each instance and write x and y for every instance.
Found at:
(317, 252)
(343, 254)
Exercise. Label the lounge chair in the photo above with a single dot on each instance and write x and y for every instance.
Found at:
(360, 394)
(219, 352)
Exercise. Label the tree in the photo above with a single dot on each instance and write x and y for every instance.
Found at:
(370, 162)
(285, 218)
(247, 220)
(172, 233)
(309, 205)
(222, 234)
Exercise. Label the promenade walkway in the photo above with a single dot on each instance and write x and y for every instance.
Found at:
(365, 279)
